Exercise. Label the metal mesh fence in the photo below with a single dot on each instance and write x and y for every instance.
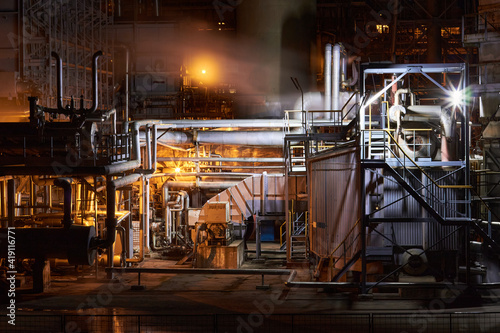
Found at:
(411, 323)
(257, 322)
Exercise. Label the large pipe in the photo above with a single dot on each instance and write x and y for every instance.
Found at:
(147, 160)
(95, 92)
(59, 81)
(145, 198)
(72, 243)
(203, 184)
(247, 138)
(224, 159)
(328, 76)
(220, 123)
(336, 77)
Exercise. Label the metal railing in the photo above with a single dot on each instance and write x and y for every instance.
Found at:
(480, 24)
(348, 249)
(114, 148)
(430, 320)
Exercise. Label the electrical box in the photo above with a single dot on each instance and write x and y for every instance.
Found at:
(218, 212)
(193, 216)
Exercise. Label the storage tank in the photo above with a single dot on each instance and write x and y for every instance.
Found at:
(276, 39)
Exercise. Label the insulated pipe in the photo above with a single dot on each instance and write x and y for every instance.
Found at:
(170, 137)
(336, 77)
(354, 79)
(223, 159)
(343, 62)
(328, 76)
(155, 147)
(186, 199)
(145, 183)
(179, 201)
(95, 92)
(398, 93)
(220, 123)
(202, 184)
(206, 174)
(248, 138)
(147, 160)
(59, 81)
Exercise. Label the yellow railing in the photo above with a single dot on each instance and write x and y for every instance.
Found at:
(281, 233)
(394, 141)
(345, 238)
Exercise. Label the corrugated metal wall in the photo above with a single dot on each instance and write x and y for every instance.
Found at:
(334, 205)
(446, 202)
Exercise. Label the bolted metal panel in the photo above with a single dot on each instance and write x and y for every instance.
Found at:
(334, 201)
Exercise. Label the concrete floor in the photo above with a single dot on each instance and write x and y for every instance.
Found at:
(181, 294)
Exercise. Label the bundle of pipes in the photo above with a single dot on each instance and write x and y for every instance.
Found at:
(335, 75)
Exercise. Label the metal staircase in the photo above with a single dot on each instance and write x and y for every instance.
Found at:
(444, 201)
(298, 236)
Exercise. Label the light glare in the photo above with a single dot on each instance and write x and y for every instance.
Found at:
(456, 97)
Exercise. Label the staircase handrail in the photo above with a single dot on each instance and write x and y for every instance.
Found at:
(394, 141)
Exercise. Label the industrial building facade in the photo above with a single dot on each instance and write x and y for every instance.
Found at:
(351, 146)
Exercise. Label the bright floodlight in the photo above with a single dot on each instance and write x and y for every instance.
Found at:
(456, 97)
(203, 71)
(177, 170)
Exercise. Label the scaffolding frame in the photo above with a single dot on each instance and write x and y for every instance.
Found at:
(74, 30)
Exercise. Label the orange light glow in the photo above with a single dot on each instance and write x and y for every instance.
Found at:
(206, 68)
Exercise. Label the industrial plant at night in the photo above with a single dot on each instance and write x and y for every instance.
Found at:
(250, 166)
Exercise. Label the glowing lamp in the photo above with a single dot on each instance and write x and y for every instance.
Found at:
(456, 97)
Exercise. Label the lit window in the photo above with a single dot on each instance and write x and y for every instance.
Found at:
(382, 29)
